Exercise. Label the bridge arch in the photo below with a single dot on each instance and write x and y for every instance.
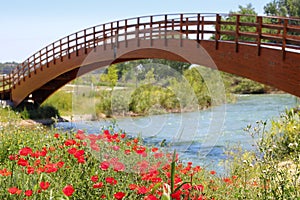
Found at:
(181, 37)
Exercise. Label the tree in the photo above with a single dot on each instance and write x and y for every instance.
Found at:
(111, 77)
(287, 8)
(248, 10)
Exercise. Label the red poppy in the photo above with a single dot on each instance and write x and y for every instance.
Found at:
(13, 157)
(127, 151)
(176, 195)
(94, 178)
(119, 195)
(13, 190)
(136, 140)
(104, 165)
(132, 186)
(28, 193)
(80, 135)
(139, 149)
(115, 148)
(70, 142)
(118, 167)
(142, 190)
(81, 159)
(79, 153)
(68, 190)
(56, 135)
(106, 132)
(212, 172)
(111, 180)
(44, 185)
(60, 164)
(30, 170)
(72, 150)
(98, 185)
(22, 162)
(95, 147)
(25, 151)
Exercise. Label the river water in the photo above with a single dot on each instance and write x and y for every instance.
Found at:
(202, 136)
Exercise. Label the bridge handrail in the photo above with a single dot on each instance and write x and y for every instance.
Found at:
(283, 32)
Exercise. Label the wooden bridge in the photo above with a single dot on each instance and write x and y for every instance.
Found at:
(262, 48)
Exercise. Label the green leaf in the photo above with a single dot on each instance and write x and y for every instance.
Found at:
(173, 165)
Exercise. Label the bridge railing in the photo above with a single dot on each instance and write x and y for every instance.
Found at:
(262, 31)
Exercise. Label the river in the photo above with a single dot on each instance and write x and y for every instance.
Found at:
(202, 136)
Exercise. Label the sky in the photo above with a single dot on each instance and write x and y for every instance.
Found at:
(29, 25)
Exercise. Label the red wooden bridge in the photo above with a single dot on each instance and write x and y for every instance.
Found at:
(262, 48)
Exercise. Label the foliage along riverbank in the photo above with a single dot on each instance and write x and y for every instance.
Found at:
(150, 87)
(39, 163)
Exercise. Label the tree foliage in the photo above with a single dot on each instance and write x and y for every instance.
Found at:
(247, 10)
(287, 8)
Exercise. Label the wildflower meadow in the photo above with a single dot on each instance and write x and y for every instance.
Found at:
(44, 163)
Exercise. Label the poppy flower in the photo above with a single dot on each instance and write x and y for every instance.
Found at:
(70, 142)
(111, 180)
(13, 190)
(68, 190)
(28, 193)
(98, 185)
(119, 195)
(13, 157)
(94, 178)
(212, 172)
(22, 162)
(25, 151)
(104, 165)
(72, 150)
(80, 135)
(118, 167)
(142, 190)
(44, 185)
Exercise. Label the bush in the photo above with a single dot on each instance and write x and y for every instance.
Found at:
(43, 112)
(275, 167)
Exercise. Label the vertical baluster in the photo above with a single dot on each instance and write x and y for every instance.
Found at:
(111, 35)
(47, 58)
(94, 38)
(60, 50)
(173, 28)
(126, 42)
(181, 24)
(40, 60)
(284, 35)
(187, 27)
(137, 31)
(151, 31)
(258, 31)
(166, 30)
(68, 42)
(104, 37)
(117, 34)
(202, 27)
(198, 29)
(76, 43)
(237, 33)
(217, 31)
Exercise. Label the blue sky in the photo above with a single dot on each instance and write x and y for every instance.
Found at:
(29, 25)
